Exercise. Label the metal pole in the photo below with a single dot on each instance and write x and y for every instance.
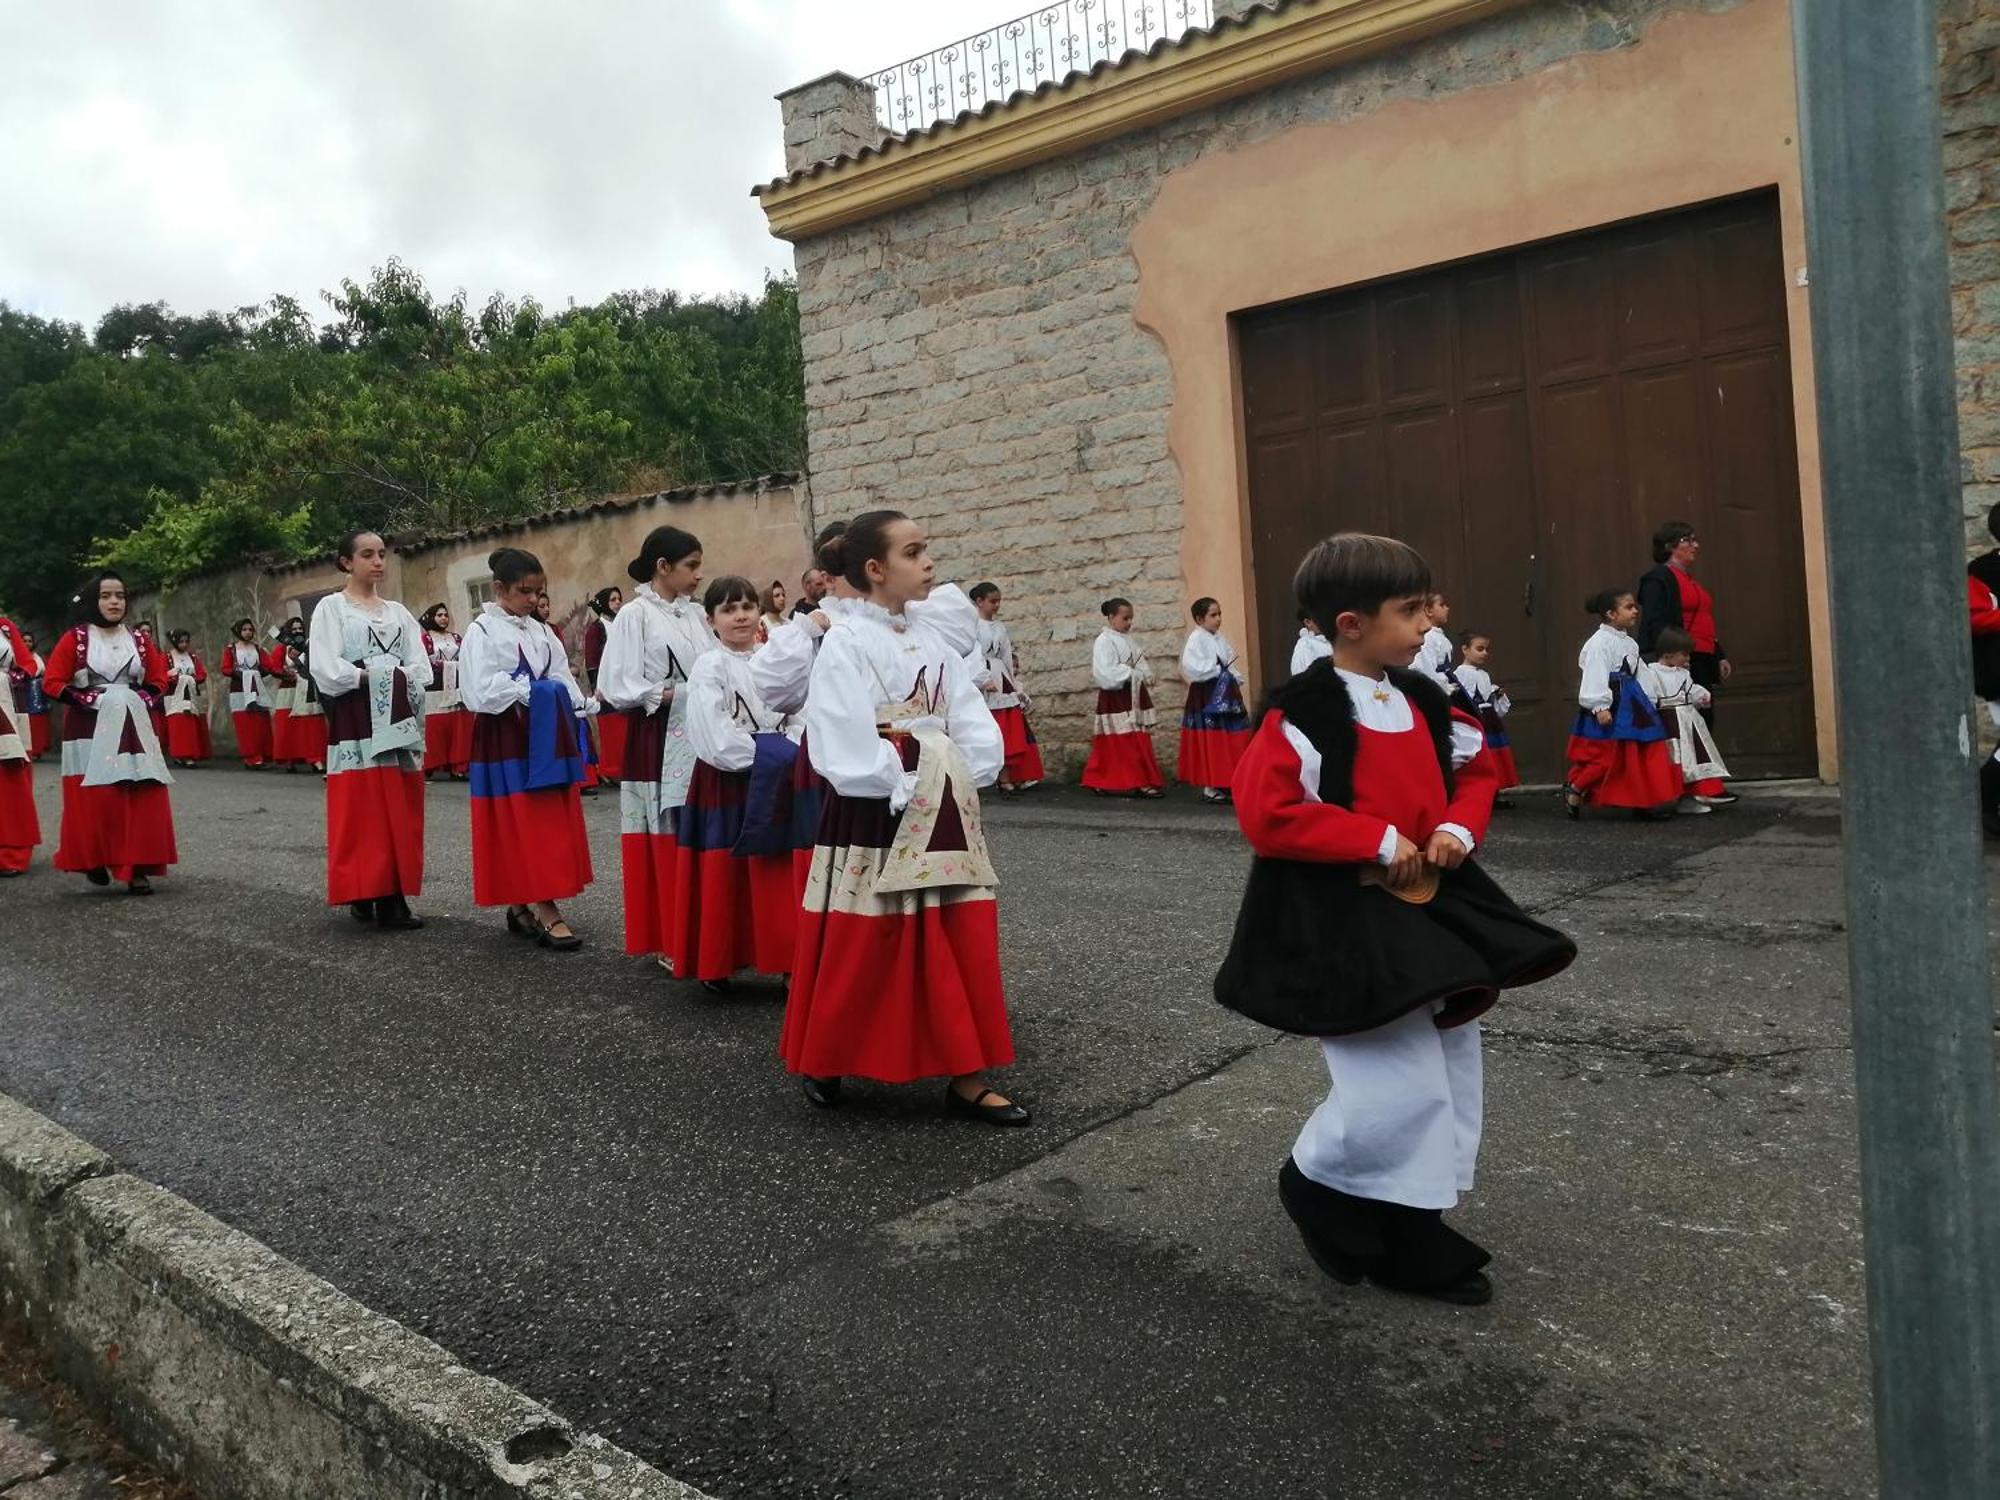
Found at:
(1916, 907)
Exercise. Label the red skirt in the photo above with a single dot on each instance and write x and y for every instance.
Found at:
(647, 850)
(894, 987)
(281, 737)
(309, 739)
(448, 741)
(1122, 763)
(1017, 743)
(529, 847)
(187, 737)
(38, 736)
(729, 912)
(253, 735)
(20, 825)
(1209, 756)
(374, 834)
(611, 746)
(1623, 773)
(1502, 758)
(127, 829)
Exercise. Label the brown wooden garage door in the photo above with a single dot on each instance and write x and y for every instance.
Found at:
(1526, 420)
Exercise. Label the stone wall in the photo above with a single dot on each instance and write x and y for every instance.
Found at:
(758, 529)
(1969, 55)
(975, 359)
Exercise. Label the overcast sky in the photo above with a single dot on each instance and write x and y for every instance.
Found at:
(213, 152)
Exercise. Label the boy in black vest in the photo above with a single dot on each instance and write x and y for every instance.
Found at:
(1366, 924)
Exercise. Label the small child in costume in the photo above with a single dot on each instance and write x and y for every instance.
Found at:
(1618, 749)
(1365, 923)
(1214, 725)
(1310, 647)
(1669, 682)
(1490, 705)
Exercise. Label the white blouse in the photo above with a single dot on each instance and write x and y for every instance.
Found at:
(344, 635)
(725, 714)
(495, 645)
(869, 661)
(650, 644)
(996, 651)
(243, 660)
(1434, 657)
(1388, 714)
(1116, 661)
(1673, 687)
(782, 667)
(1606, 652)
(1311, 647)
(1480, 689)
(1206, 656)
(110, 655)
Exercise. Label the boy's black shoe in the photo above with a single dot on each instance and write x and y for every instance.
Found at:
(1400, 1249)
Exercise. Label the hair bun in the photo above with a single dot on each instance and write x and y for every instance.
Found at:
(637, 571)
(832, 556)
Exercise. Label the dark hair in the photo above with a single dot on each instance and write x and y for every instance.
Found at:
(1669, 536)
(343, 551)
(1605, 600)
(1200, 607)
(1467, 637)
(237, 629)
(429, 618)
(1359, 572)
(1993, 523)
(298, 620)
(865, 540)
(512, 564)
(825, 560)
(767, 596)
(85, 607)
(1111, 606)
(980, 590)
(1672, 641)
(178, 636)
(731, 588)
(600, 602)
(663, 544)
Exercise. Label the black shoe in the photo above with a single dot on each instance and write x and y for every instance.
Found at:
(521, 921)
(719, 986)
(962, 1108)
(362, 911)
(821, 1093)
(140, 885)
(393, 913)
(1989, 797)
(1572, 803)
(545, 936)
(98, 876)
(1321, 1213)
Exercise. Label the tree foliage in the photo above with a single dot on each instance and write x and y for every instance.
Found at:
(165, 444)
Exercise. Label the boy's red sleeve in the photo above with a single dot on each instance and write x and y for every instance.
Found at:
(1278, 820)
(1474, 786)
(1985, 608)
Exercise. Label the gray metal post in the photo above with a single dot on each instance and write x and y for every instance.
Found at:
(1923, 1016)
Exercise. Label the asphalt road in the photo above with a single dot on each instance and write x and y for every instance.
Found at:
(600, 1185)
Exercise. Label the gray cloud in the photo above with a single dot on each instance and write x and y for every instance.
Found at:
(214, 152)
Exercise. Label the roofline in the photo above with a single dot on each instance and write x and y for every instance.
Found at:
(1236, 56)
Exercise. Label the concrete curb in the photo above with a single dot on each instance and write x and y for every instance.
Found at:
(227, 1364)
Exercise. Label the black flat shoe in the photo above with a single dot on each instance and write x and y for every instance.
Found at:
(521, 922)
(821, 1093)
(959, 1107)
(719, 986)
(1572, 803)
(545, 937)
(393, 914)
(361, 911)
(98, 876)
(139, 885)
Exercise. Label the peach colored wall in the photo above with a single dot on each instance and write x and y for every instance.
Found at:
(1703, 107)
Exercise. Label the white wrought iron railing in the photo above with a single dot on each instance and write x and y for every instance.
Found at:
(1047, 44)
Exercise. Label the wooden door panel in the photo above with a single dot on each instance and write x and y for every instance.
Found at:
(1416, 356)
(1526, 420)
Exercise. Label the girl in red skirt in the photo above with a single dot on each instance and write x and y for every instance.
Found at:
(1491, 704)
(117, 823)
(447, 721)
(1618, 750)
(26, 673)
(529, 850)
(653, 645)
(20, 826)
(367, 660)
(1215, 726)
(897, 972)
(1004, 694)
(1121, 751)
(736, 906)
(249, 696)
(187, 716)
(604, 607)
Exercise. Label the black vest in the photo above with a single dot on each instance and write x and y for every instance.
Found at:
(1317, 704)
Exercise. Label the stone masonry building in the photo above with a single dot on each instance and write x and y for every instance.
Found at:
(1515, 279)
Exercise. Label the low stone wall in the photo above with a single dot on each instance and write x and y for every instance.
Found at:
(229, 1365)
(759, 528)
